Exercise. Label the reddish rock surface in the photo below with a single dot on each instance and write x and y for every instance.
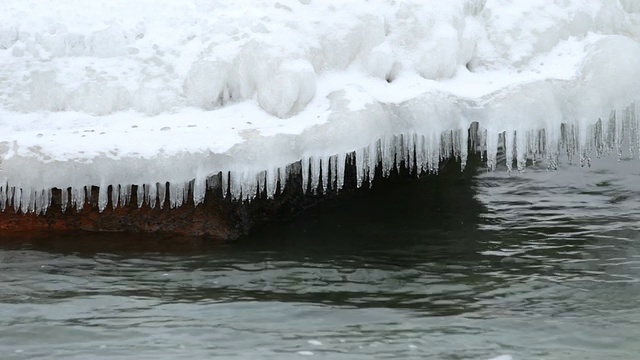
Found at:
(215, 218)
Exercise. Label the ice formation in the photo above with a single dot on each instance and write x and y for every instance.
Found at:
(149, 92)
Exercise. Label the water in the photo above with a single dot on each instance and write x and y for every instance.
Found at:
(540, 265)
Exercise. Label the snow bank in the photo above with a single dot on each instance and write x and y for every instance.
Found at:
(148, 92)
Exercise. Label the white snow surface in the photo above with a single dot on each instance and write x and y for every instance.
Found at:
(151, 91)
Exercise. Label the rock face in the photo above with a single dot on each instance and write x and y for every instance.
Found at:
(217, 218)
(214, 218)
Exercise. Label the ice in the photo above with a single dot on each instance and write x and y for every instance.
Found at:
(166, 95)
(503, 357)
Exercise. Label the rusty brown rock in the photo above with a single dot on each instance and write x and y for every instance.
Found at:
(214, 217)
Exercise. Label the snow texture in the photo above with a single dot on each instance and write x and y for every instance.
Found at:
(153, 91)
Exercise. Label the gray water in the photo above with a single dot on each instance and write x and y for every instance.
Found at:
(539, 265)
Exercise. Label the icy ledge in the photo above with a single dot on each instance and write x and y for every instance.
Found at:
(241, 93)
(28, 175)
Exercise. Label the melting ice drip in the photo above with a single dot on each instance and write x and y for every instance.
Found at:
(149, 93)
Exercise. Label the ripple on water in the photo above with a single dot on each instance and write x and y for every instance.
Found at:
(534, 265)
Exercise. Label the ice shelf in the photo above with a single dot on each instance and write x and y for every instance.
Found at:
(154, 92)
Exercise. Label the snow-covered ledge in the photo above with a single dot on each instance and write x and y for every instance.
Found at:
(122, 93)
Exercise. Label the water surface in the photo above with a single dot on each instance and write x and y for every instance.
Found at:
(538, 265)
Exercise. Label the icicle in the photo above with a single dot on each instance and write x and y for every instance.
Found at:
(538, 144)
(249, 184)
(235, 185)
(3, 197)
(43, 201)
(361, 165)
(522, 148)
(444, 150)
(508, 148)
(262, 183)
(272, 182)
(282, 177)
(49, 199)
(553, 158)
(64, 198)
(491, 145)
(388, 155)
(374, 158)
(619, 137)
(23, 199)
(400, 150)
(115, 195)
(464, 149)
(314, 165)
(224, 177)
(532, 147)
(333, 173)
(145, 190)
(482, 143)
(584, 135)
(410, 151)
(125, 195)
(39, 201)
(140, 196)
(78, 196)
(26, 201)
(434, 153)
(36, 201)
(199, 187)
(10, 196)
(634, 113)
(428, 153)
(397, 152)
(634, 136)
(153, 194)
(244, 184)
(103, 197)
(410, 144)
(175, 194)
(324, 165)
(421, 154)
(340, 160)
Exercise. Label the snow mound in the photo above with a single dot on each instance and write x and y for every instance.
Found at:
(148, 92)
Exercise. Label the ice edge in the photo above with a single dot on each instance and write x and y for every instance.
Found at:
(420, 152)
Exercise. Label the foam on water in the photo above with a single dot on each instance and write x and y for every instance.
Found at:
(119, 93)
(503, 357)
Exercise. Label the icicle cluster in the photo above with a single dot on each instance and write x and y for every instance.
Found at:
(515, 146)
(605, 137)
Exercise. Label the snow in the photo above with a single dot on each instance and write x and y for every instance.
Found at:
(148, 92)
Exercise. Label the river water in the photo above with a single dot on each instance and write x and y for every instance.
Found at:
(535, 265)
